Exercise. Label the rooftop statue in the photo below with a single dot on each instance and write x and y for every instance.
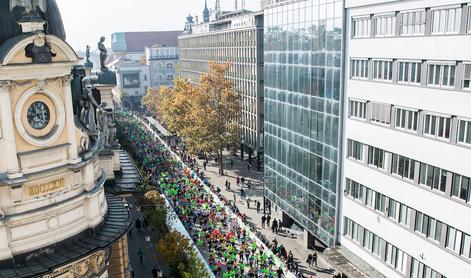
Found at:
(30, 6)
(103, 53)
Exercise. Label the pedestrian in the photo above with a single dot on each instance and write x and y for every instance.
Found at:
(309, 260)
(248, 203)
(274, 226)
(264, 218)
(268, 221)
(249, 184)
(280, 225)
(132, 273)
(204, 165)
(160, 274)
(242, 180)
(235, 197)
(140, 253)
(258, 206)
(238, 181)
(279, 272)
(232, 163)
(138, 224)
(154, 272)
(314, 259)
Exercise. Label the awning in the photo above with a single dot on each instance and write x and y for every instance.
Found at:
(350, 264)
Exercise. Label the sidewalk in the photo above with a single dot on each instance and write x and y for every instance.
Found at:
(256, 193)
(137, 240)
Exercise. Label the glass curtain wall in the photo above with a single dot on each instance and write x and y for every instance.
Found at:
(303, 42)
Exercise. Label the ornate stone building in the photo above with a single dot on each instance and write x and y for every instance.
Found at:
(56, 220)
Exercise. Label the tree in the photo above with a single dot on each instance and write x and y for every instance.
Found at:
(174, 249)
(204, 116)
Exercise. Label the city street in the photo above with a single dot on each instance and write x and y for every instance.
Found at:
(256, 194)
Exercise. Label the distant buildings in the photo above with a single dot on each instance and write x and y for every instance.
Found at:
(237, 38)
(143, 60)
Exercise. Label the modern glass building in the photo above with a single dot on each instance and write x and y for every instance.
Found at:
(303, 43)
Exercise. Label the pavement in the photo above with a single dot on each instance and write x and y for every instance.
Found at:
(136, 241)
(288, 240)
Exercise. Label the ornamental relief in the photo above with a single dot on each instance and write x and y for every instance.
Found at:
(91, 266)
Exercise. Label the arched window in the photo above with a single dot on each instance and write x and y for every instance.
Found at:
(169, 65)
(169, 78)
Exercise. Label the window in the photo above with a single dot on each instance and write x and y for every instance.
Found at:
(357, 109)
(409, 72)
(469, 20)
(385, 26)
(354, 189)
(361, 27)
(437, 126)
(403, 166)
(461, 187)
(419, 270)
(433, 177)
(369, 200)
(380, 113)
(404, 214)
(446, 21)
(382, 70)
(395, 257)
(467, 73)
(428, 226)
(355, 150)
(407, 119)
(359, 69)
(441, 75)
(352, 229)
(412, 23)
(464, 132)
(376, 157)
(380, 202)
(458, 241)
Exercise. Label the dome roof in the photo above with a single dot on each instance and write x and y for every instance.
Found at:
(9, 27)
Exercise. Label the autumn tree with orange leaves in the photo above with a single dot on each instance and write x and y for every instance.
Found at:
(203, 115)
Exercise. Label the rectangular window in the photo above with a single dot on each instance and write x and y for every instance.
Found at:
(407, 119)
(409, 72)
(403, 166)
(385, 26)
(464, 132)
(357, 109)
(419, 270)
(355, 150)
(437, 126)
(359, 69)
(467, 74)
(433, 177)
(380, 202)
(361, 27)
(354, 189)
(412, 23)
(393, 209)
(376, 157)
(382, 70)
(428, 226)
(441, 75)
(395, 257)
(369, 197)
(461, 187)
(404, 214)
(446, 21)
(380, 113)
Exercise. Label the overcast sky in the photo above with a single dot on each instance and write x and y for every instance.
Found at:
(87, 20)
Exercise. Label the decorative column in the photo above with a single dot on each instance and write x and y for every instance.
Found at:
(69, 118)
(8, 140)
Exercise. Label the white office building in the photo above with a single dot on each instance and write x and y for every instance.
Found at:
(407, 159)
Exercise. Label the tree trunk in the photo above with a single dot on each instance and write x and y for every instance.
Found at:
(221, 163)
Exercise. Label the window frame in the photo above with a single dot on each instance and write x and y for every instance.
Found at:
(406, 163)
(376, 157)
(354, 109)
(407, 117)
(466, 130)
(382, 75)
(441, 74)
(440, 10)
(364, 18)
(356, 64)
(457, 187)
(421, 25)
(466, 65)
(409, 64)
(378, 19)
(432, 130)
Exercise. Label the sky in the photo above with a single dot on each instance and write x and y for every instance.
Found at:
(85, 21)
